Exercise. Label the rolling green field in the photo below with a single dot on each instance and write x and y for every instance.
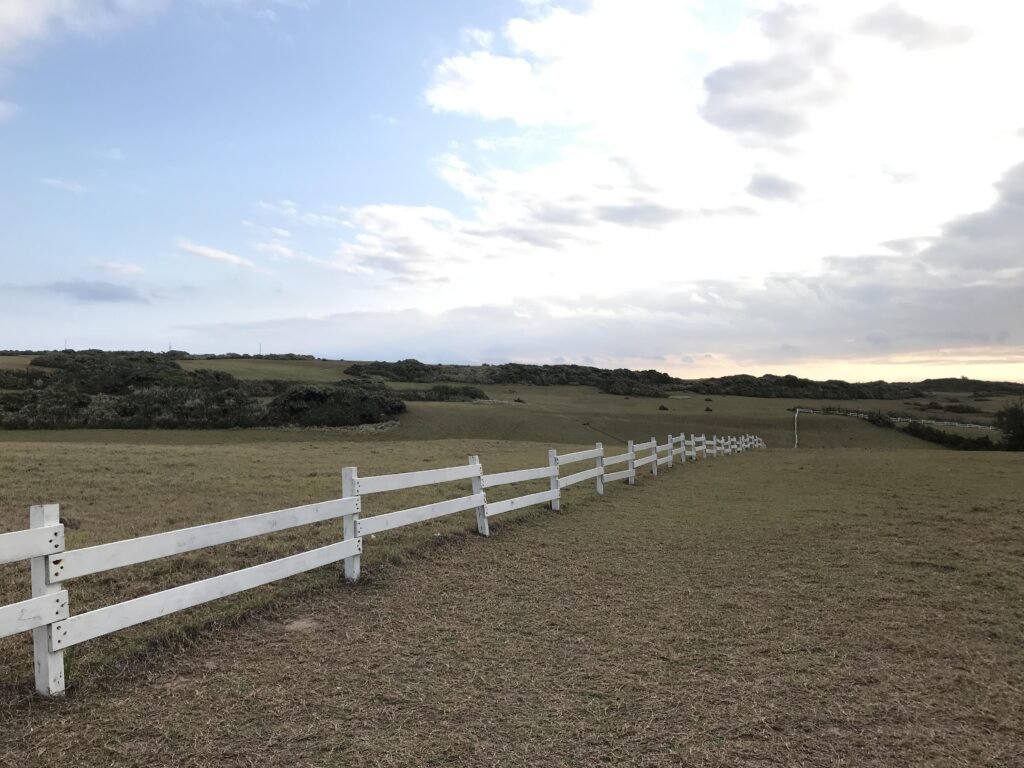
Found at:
(854, 602)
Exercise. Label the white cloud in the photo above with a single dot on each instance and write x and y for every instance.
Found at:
(289, 209)
(644, 149)
(65, 185)
(215, 254)
(7, 110)
(480, 38)
(23, 22)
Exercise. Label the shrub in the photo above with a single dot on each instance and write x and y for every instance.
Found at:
(444, 393)
(1010, 421)
(949, 439)
(338, 405)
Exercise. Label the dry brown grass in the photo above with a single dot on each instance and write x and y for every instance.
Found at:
(15, 362)
(821, 607)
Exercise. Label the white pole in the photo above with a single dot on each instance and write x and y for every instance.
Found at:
(599, 463)
(49, 665)
(553, 462)
(481, 512)
(349, 488)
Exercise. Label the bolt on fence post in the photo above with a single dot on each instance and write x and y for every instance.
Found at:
(349, 489)
(556, 503)
(599, 464)
(481, 512)
(630, 465)
(49, 665)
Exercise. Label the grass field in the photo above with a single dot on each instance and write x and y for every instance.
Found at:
(287, 370)
(14, 362)
(855, 602)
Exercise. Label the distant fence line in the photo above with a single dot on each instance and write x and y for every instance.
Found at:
(47, 614)
(893, 419)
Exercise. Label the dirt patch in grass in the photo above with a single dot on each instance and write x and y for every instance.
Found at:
(772, 608)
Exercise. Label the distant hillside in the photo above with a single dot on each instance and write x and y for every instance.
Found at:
(273, 370)
(770, 385)
(619, 381)
(650, 383)
(976, 386)
(636, 383)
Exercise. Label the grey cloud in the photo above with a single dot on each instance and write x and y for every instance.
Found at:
(642, 214)
(736, 100)
(896, 24)
(561, 215)
(540, 237)
(770, 99)
(989, 240)
(781, 22)
(908, 245)
(769, 186)
(91, 291)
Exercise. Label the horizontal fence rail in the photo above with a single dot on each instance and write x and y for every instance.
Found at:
(403, 517)
(500, 507)
(34, 542)
(103, 621)
(104, 557)
(54, 629)
(518, 476)
(381, 483)
(32, 613)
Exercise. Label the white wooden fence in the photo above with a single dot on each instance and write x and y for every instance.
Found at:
(54, 629)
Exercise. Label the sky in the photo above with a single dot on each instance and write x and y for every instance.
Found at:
(829, 189)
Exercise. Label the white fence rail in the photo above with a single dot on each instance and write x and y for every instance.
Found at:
(46, 614)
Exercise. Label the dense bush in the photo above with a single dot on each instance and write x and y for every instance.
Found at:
(619, 382)
(648, 383)
(337, 405)
(136, 390)
(950, 439)
(21, 379)
(879, 419)
(444, 393)
(1010, 421)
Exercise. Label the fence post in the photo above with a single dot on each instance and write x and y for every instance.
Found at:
(553, 462)
(671, 446)
(481, 513)
(599, 464)
(629, 463)
(49, 665)
(350, 488)
(654, 453)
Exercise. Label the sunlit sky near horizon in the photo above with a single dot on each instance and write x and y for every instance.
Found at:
(834, 190)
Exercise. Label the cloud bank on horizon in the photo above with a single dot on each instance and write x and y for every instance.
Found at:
(834, 189)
